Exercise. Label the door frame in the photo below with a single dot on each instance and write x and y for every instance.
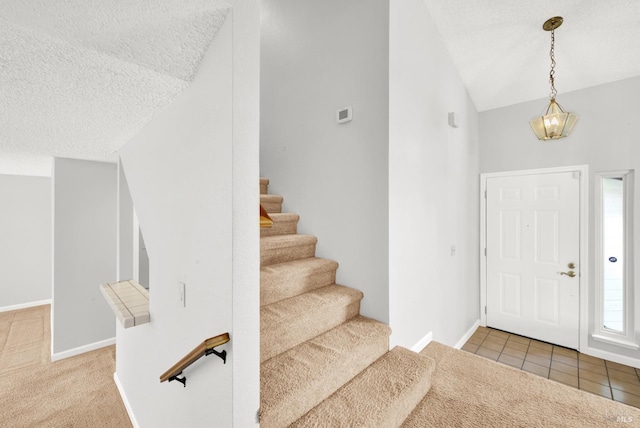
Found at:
(583, 259)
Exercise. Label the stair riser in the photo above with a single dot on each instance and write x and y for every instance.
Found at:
(272, 207)
(264, 185)
(293, 403)
(403, 407)
(277, 339)
(286, 254)
(383, 395)
(274, 288)
(280, 228)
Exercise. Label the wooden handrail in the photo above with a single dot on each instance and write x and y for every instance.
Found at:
(265, 220)
(205, 348)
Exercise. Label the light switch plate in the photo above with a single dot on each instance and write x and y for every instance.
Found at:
(182, 289)
(452, 120)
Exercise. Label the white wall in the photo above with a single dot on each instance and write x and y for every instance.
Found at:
(433, 186)
(193, 176)
(84, 253)
(25, 240)
(246, 231)
(125, 227)
(317, 57)
(605, 138)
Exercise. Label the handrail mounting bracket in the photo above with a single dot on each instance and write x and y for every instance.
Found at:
(179, 378)
(222, 355)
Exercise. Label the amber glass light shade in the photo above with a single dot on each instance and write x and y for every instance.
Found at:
(554, 124)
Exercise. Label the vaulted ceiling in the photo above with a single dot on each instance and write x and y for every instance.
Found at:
(78, 78)
(502, 52)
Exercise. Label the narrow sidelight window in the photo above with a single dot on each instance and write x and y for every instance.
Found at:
(613, 260)
(614, 306)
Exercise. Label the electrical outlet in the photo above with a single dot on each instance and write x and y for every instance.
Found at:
(182, 289)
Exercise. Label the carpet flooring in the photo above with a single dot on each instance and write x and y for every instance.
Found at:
(35, 392)
(313, 342)
(24, 338)
(471, 391)
(324, 365)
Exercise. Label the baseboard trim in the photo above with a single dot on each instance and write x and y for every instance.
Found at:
(25, 305)
(610, 356)
(125, 401)
(467, 335)
(422, 343)
(82, 349)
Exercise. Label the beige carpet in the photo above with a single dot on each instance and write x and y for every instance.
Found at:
(34, 392)
(300, 276)
(324, 366)
(383, 395)
(24, 338)
(302, 377)
(289, 322)
(319, 357)
(471, 391)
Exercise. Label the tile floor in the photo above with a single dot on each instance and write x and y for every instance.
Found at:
(595, 375)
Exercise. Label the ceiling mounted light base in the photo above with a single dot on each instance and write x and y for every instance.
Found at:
(552, 23)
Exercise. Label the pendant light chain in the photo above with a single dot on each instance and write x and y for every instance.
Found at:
(552, 73)
(554, 123)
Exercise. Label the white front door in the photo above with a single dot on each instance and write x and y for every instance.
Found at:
(533, 233)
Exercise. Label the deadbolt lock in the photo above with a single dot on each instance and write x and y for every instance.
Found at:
(571, 265)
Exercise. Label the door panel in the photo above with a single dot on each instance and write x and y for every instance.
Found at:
(546, 225)
(532, 236)
(510, 234)
(510, 301)
(547, 300)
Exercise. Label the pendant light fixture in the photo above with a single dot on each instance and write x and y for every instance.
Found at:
(555, 122)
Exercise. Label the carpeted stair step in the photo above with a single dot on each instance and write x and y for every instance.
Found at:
(283, 224)
(290, 322)
(264, 186)
(271, 203)
(284, 280)
(383, 395)
(284, 248)
(295, 381)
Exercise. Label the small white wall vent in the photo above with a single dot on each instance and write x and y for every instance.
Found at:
(344, 115)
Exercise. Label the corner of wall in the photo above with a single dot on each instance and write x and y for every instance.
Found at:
(460, 343)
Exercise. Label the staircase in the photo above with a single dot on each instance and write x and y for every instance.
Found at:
(322, 363)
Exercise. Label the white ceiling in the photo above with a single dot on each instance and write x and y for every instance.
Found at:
(502, 52)
(78, 78)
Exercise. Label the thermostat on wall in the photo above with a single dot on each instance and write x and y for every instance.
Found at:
(344, 115)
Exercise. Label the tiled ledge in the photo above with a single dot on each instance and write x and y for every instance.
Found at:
(129, 301)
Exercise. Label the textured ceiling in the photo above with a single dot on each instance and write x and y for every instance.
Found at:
(502, 53)
(78, 78)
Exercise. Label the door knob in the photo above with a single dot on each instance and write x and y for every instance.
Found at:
(570, 274)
